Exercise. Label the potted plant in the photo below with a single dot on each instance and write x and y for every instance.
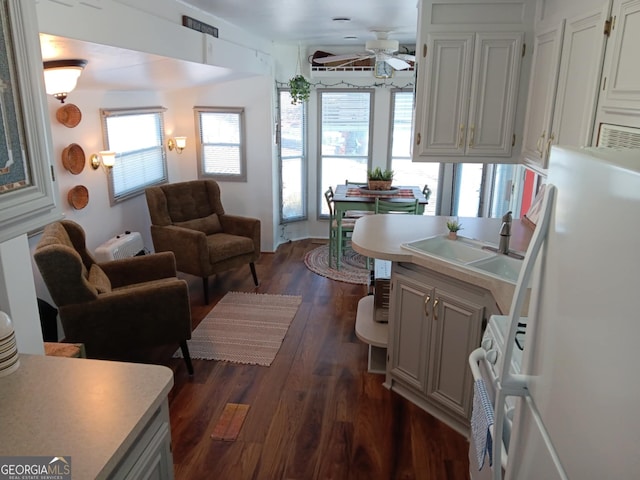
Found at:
(379, 179)
(453, 225)
(299, 89)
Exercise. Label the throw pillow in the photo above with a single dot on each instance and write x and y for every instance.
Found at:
(208, 225)
(99, 279)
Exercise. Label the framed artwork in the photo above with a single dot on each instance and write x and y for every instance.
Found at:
(27, 190)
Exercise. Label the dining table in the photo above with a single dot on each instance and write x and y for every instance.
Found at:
(349, 197)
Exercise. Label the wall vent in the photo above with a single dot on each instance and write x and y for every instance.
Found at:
(617, 136)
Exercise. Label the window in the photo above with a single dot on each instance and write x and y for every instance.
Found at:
(136, 135)
(292, 152)
(345, 132)
(221, 146)
(405, 171)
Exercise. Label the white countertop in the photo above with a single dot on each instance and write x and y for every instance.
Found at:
(381, 236)
(91, 410)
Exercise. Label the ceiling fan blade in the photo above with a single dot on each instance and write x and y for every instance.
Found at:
(341, 58)
(406, 57)
(397, 63)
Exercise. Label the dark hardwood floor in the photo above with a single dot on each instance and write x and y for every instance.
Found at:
(315, 413)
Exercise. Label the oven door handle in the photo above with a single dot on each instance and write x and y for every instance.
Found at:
(476, 356)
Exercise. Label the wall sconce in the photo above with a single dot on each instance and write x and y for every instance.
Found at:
(179, 143)
(61, 76)
(105, 158)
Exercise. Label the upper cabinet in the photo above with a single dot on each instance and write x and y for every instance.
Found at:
(470, 94)
(468, 88)
(563, 89)
(619, 101)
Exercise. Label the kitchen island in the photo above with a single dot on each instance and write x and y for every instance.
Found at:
(438, 310)
(110, 418)
(381, 236)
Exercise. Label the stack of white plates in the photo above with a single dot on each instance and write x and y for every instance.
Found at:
(9, 360)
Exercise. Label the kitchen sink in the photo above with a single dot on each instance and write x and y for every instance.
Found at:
(471, 254)
(462, 250)
(500, 265)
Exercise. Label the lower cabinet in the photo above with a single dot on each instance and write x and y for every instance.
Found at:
(435, 322)
(150, 457)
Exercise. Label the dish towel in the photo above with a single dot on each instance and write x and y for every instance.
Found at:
(481, 420)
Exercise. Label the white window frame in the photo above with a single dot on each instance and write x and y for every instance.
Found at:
(321, 202)
(241, 176)
(303, 166)
(131, 160)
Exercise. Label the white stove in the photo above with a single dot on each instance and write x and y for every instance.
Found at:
(489, 368)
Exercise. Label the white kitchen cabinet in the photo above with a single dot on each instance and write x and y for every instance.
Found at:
(622, 74)
(563, 89)
(466, 95)
(150, 457)
(435, 323)
(542, 92)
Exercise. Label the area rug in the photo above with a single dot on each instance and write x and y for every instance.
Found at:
(244, 328)
(352, 267)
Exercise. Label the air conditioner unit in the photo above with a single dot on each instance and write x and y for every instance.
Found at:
(618, 136)
(124, 245)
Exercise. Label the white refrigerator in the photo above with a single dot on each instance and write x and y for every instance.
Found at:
(581, 360)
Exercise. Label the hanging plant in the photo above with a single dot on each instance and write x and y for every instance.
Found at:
(300, 89)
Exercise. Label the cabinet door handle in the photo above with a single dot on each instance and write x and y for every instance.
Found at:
(426, 305)
(549, 142)
(540, 142)
(435, 309)
(472, 135)
(461, 136)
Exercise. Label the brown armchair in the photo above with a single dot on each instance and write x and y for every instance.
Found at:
(117, 306)
(188, 219)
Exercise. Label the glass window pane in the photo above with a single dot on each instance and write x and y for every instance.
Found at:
(292, 158)
(468, 191)
(140, 156)
(221, 148)
(406, 172)
(345, 130)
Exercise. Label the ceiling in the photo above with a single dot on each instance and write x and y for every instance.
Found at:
(309, 22)
(300, 22)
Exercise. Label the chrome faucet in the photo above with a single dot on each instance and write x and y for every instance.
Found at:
(505, 233)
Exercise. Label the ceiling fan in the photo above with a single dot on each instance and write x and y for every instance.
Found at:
(382, 49)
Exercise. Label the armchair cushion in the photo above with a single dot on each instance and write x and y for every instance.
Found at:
(207, 225)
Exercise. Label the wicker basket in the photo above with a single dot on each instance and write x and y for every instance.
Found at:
(78, 197)
(69, 115)
(379, 185)
(73, 158)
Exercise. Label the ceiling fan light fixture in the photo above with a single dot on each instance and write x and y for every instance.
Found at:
(385, 46)
(61, 76)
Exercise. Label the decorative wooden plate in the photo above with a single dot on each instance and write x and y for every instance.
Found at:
(69, 115)
(73, 158)
(78, 197)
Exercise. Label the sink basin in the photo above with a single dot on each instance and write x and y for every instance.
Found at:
(501, 266)
(469, 253)
(460, 251)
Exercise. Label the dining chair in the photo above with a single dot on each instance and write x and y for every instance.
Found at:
(385, 206)
(338, 231)
(356, 213)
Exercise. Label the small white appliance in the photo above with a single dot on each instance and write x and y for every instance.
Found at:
(123, 245)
